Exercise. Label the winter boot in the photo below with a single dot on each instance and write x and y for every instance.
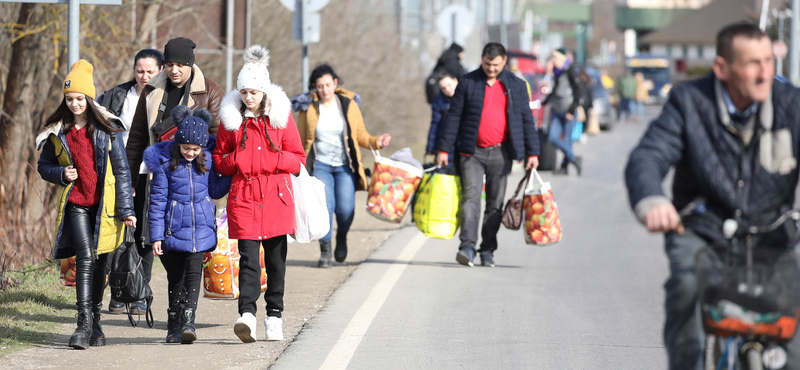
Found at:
(98, 339)
(340, 253)
(188, 335)
(325, 254)
(173, 319)
(80, 338)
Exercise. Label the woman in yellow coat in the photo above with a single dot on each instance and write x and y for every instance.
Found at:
(331, 129)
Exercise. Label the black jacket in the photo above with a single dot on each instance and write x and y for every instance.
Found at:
(460, 127)
(114, 99)
(717, 175)
(573, 76)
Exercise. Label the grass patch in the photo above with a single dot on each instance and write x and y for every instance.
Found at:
(32, 310)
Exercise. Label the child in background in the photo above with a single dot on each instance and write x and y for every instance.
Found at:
(259, 145)
(84, 154)
(182, 216)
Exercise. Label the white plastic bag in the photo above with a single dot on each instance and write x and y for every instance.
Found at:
(311, 220)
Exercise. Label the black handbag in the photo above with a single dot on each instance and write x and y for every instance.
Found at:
(512, 213)
(127, 280)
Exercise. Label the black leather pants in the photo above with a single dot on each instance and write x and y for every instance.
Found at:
(90, 278)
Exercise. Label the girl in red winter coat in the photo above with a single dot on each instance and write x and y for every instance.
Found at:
(259, 146)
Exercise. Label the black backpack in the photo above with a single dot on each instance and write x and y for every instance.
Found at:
(127, 280)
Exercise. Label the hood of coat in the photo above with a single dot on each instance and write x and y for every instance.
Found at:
(278, 108)
(156, 155)
(56, 129)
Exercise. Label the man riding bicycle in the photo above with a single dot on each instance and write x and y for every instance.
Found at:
(733, 139)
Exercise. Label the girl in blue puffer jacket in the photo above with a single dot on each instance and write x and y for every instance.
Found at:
(182, 216)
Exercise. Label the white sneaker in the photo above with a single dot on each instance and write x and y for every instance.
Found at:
(274, 328)
(245, 328)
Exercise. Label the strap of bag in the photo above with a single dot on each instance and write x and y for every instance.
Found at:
(184, 101)
(522, 183)
(375, 152)
(129, 233)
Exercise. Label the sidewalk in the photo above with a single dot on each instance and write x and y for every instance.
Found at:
(307, 290)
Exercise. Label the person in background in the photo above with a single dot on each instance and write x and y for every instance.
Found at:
(441, 103)
(587, 102)
(78, 145)
(489, 125)
(626, 87)
(330, 128)
(449, 62)
(564, 101)
(121, 101)
(180, 83)
(640, 97)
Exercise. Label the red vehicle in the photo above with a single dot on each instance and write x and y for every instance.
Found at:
(532, 71)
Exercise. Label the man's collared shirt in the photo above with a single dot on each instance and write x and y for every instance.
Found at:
(735, 113)
(493, 129)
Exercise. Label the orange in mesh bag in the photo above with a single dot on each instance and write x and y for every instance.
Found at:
(542, 224)
(393, 183)
(221, 266)
(67, 275)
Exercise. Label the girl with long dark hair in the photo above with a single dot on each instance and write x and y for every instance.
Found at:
(82, 152)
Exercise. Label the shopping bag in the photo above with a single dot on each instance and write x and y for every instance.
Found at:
(221, 266)
(311, 217)
(593, 124)
(436, 209)
(542, 224)
(67, 275)
(393, 183)
(577, 131)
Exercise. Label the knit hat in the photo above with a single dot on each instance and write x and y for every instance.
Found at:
(192, 129)
(80, 79)
(179, 50)
(254, 74)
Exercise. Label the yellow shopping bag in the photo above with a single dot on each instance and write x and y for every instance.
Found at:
(436, 209)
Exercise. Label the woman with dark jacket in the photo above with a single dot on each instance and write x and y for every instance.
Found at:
(182, 217)
(82, 152)
(330, 128)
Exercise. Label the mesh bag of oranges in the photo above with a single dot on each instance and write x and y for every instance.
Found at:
(542, 224)
(391, 189)
(67, 275)
(221, 266)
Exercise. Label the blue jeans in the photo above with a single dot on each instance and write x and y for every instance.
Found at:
(340, 194)
(559, 125)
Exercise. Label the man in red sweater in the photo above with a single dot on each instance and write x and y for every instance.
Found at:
(489, 125)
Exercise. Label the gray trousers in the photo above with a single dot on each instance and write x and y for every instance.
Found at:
(683, 331)
(495, 163)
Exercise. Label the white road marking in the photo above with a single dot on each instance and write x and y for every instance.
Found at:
(348, 342)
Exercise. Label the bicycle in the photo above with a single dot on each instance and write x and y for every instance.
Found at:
(749, 297)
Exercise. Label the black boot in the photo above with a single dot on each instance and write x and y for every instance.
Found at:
(80, 338)
(578, 162)
(188, 335)
(173, 319)
(340, 253)
(324, 254)
(98, 339)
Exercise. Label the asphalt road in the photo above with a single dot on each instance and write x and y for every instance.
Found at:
(592, 301)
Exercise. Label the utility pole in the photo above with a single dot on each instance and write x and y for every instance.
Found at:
(794, 48)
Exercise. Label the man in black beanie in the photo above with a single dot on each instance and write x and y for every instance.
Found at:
(180, 83)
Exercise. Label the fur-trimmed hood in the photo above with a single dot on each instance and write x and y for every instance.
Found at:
(278, 108)
(56, 129)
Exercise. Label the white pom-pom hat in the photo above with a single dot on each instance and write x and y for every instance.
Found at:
(254, 74)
